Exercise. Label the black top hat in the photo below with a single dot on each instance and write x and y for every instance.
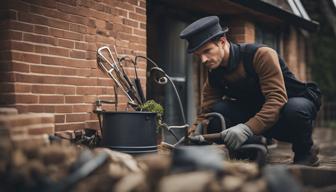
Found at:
(201, 31)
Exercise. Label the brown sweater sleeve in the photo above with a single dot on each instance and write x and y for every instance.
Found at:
(267, 67)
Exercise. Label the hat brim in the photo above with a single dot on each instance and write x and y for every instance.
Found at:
(194, 48)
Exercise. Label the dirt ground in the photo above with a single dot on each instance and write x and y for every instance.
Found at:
(325, 138)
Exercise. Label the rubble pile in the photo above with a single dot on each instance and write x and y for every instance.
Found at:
(58, 167)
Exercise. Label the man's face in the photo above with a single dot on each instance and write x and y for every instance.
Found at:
(211, 54)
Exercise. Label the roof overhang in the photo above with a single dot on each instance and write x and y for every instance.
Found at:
(255, 9)
(271, 10)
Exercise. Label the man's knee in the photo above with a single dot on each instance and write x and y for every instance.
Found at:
(299, 110)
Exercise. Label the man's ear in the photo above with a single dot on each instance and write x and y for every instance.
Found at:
(222, 40)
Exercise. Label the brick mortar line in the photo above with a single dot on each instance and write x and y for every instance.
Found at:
(52, 75)
(49, 55)
(51, 46)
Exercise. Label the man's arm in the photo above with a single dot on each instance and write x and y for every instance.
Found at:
(267, 67)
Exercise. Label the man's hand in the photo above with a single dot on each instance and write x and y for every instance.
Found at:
(235, 136)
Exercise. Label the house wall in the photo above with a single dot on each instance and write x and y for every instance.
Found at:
(48, 55)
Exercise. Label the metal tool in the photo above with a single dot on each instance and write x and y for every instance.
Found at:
(137, 82)
(111, 65)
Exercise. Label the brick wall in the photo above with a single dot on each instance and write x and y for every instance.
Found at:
(48, 54)
(241, 31)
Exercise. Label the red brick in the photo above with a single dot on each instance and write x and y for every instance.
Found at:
(58, 51)
(140, 32)
(124, 5)
(63, 109)
(22, 88)
(84, 72)
(143, 26)
(26, 98)
(20, 67)
(90, 38)
(45, 69)
(89, 99)
(69, 71)
(137, 17)
(77, 117)
(81, 45)
(33, 18)
(78, 28)
(86, 90)
(39, 10)
(66, 43)
(60, 118)
(117, 19)
(65, 8)
(74, 99)
(41, 29)
(143, 4)
(41, 108)
(122, 28)
(22, 46)
(100, 15)
(65, 34)
(80, 81)
(44, 3)
(91, 55)
(77, 54)
(69, 126)
(25, 78)
(133, 2)
(58, 24)
(41, 49)
(51, 99)
(130, 22)
(39, 39)
(65, 90)
(64, 62)
(78, 19)
(20, 26)
(26, 57)
(43, 89)
(83, 108)
(140, 11)
(92, 124)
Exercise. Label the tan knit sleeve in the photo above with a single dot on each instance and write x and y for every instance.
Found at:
(267, 67)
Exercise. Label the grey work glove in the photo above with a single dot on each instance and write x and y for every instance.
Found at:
(235, 136)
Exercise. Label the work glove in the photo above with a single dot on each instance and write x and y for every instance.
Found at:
(235, 136)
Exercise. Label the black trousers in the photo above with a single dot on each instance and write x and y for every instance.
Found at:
(295, 124)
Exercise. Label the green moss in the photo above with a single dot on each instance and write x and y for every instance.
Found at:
(152, 106)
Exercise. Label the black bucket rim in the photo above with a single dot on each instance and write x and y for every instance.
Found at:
(136, 152)
(134, 147)
(127, 112)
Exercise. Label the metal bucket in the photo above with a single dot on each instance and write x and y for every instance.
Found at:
(129, 132)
